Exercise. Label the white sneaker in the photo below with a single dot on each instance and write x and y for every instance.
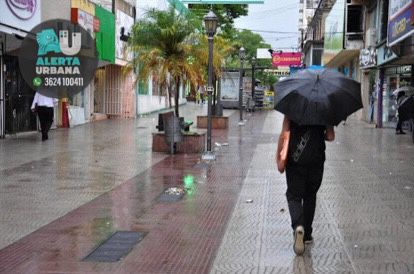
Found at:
(298, 245)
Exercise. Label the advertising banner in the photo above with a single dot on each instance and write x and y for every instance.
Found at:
(400, 24)
(286, 59)
(334, 32)
(20, 14)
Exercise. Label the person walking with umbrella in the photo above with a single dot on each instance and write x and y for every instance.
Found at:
(313, 101)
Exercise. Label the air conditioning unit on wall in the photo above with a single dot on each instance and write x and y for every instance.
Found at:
(371, 37)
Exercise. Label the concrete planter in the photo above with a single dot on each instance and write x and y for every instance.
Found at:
(217, 122)
(193, 142)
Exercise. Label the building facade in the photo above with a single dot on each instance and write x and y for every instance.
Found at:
(110, 93)
(371, 42)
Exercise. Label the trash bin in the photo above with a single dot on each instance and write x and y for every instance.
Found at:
(172, 129)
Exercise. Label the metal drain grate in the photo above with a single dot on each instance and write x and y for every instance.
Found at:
(171, 194)
(115, 247)
(201, 165)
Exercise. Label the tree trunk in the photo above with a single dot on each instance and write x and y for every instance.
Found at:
(177, 95)
(169, 97)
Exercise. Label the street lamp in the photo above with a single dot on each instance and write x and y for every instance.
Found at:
(210, 23)
(253, 79)
(241, 56)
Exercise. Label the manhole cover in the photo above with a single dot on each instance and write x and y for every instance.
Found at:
(172, 194)
(201, 165)
(118, 245)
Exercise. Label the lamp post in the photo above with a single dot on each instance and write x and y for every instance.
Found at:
(241, 56)
(253, 79)
(210, 22)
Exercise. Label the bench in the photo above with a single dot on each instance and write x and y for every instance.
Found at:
(184, 124)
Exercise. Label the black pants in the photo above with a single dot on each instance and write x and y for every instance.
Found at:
(399, 125)
(303, 183)
(46, 119)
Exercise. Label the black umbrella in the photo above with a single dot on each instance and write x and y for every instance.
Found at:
(318, 97)
(406, 109)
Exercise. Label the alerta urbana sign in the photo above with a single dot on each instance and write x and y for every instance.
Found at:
(60, 60)
(48, 42)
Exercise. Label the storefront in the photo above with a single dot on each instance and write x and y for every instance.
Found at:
(16, 19)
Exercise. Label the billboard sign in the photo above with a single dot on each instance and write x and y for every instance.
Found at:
(286, 59)
(400, 25)
(334, 32)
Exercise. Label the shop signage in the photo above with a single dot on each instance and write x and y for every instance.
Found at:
(22, 9)
(286, 59)
(20, 14)
(96, 24)
(278, 72)
(367, 58)
(384, 55)
(412, 12)
(334, 32)
(400, 24)
(84, 5)
(84, 19)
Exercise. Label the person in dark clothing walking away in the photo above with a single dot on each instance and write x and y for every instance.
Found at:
(398, 129)
(304, 172)
(43, 105)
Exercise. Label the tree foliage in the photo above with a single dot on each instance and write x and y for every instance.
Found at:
(167, 45)
(161, 45)
(225, 13)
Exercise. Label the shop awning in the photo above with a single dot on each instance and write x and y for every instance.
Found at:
(342, 57)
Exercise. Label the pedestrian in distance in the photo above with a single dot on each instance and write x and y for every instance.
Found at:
(371, 107)
(198, 96)
(43, 106)
(398, 129)
(305, 158)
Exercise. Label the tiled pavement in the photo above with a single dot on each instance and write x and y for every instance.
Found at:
(99, 178)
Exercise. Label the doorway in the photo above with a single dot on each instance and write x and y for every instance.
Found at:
(18, 99)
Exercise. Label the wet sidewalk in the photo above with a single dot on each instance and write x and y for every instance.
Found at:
(66, 197)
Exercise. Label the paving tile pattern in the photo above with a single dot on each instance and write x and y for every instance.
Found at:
(364, 219)
(182, 237)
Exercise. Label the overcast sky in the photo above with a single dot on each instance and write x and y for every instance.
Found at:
(273, 16)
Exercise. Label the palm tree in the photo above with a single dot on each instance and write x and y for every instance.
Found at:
(162, 46)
